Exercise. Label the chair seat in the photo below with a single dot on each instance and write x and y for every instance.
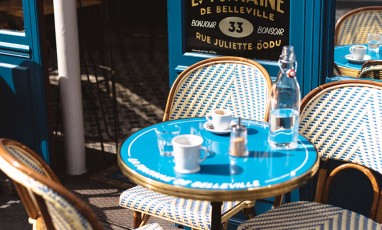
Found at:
(187, 212)
(309, 215)
(153, 226)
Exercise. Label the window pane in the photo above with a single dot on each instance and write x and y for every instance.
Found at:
(11, 15)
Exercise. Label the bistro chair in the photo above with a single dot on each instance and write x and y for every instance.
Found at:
(239, 84)
(371, 69)
(342, 120)
(352, 27)
(48, 203)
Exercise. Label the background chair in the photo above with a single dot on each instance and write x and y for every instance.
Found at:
(48, 203)
(371, 69)
(352, 27)
(342, 120)
(239, 84)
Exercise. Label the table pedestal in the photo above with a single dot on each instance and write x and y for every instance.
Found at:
(216, 215)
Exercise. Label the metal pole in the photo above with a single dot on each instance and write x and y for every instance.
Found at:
(68, 60)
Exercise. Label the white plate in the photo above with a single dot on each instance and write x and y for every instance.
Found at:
(206, 126)
(350, 58)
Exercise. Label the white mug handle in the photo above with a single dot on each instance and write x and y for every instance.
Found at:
(351, 49)
(204, 155)
(209, 117)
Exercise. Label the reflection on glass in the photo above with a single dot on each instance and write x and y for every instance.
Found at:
(11, 15)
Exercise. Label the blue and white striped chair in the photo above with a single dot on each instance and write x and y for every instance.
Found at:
(48, 203)
(240, 84)
(371, 69)
(352, 27)
(343, 120)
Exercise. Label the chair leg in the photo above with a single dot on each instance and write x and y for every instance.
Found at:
(137, 219)
(225, 225)
(145, 218)
(278, 200)
(249, 212)
(140, 219)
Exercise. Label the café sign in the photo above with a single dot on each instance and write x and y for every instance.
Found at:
(247, 28)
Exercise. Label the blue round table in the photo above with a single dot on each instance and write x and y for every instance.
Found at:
(348, 68)
(264, 173)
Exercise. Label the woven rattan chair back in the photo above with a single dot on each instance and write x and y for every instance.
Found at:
(352, 27)
(239, 84)
(49, 204)
(371, 69)
(28, 157)
(342, 119)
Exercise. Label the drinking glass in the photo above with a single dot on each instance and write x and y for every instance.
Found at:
(373, 42)
(164, 136)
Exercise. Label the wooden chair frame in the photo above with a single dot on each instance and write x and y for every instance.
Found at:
(34, 203)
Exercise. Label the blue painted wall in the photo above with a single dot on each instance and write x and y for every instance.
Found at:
(23, 82)
(311, 33)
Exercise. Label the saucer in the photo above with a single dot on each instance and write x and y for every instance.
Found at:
(350, 58)
(206, 126)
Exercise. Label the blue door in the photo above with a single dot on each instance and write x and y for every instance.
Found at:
(23, 79)
(200, 29)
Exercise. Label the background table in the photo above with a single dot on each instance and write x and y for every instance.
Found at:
(265, 173)
(347, 68)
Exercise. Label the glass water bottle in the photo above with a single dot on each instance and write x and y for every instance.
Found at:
(285, 103)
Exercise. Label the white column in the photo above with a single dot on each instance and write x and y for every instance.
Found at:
(65, 17)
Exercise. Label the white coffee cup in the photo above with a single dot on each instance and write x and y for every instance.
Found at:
(186, 153)
(358, 51)
(220, 118)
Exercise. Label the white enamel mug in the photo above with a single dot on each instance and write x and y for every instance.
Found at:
(186, 153)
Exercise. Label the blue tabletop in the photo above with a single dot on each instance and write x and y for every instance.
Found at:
(339, 57)
(139, 159)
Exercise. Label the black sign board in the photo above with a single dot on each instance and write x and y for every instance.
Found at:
(247, 28)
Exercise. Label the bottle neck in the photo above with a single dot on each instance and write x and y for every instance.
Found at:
(287, 69)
